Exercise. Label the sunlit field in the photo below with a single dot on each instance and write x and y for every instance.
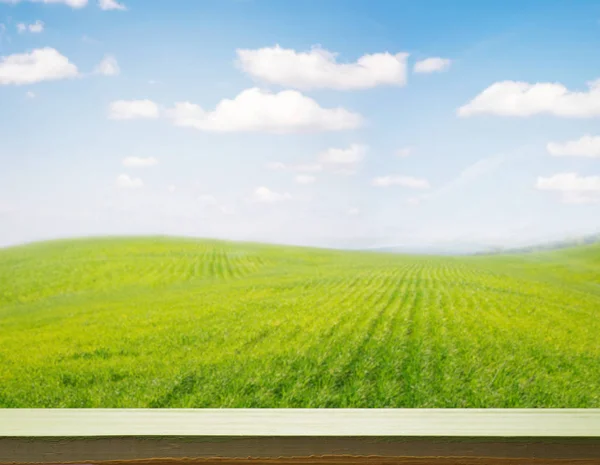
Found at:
(160, 322)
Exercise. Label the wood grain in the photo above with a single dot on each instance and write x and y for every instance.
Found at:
(301, 422)
(88, 450)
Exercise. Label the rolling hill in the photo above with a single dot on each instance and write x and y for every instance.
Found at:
(164, 322)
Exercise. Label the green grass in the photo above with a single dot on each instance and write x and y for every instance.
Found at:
(160, 322)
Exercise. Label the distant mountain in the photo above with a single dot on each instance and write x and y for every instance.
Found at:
(470, 248)
(554, 245)
(449, 248)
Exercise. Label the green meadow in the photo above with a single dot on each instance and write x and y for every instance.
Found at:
(163, 322)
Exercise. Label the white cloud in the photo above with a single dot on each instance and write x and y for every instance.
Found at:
(127, 182)
(510, 98)
(587, 146)
(277, 166)
(404, 181)
(337, 160)
(300, 168)
(111, 5)
(207, 200)
(344, 161)
(171, 188)
(319, 68)
(34, 28)
(349, 156)
(256, 110)
(432, 65)
(404, 152)
(353, 211)
(108, 66)
(139, 161)
(42, 64)
(265, 195)
(581, 198)
(71, 3)
(569, 182)
(575, 189)
(30, 94)
(133, 109)
(305, 179)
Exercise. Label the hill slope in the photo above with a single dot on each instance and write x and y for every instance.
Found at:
(159, 322)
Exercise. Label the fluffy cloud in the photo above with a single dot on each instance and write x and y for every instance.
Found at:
(587, 146)
(569, 182)
(256, 110)
(37, 27)
(71, 3)
(34, 28)
(353, 211)
(133, 109)
(319, 68)
(404, 181)
(432, 65)
(265, 195)
(125, 181)
(344, 161)
(510, 98)
(337, 160)
(305, 179)
(139, 161)
(42, 64)
(574, 188)
(108, 66)
(111, 5)
(30, 94)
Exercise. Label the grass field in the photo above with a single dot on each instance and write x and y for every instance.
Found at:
(159, 322)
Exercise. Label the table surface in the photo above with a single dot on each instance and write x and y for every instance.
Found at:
(300, 422)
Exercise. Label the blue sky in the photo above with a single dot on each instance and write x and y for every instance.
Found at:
(338, 123)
